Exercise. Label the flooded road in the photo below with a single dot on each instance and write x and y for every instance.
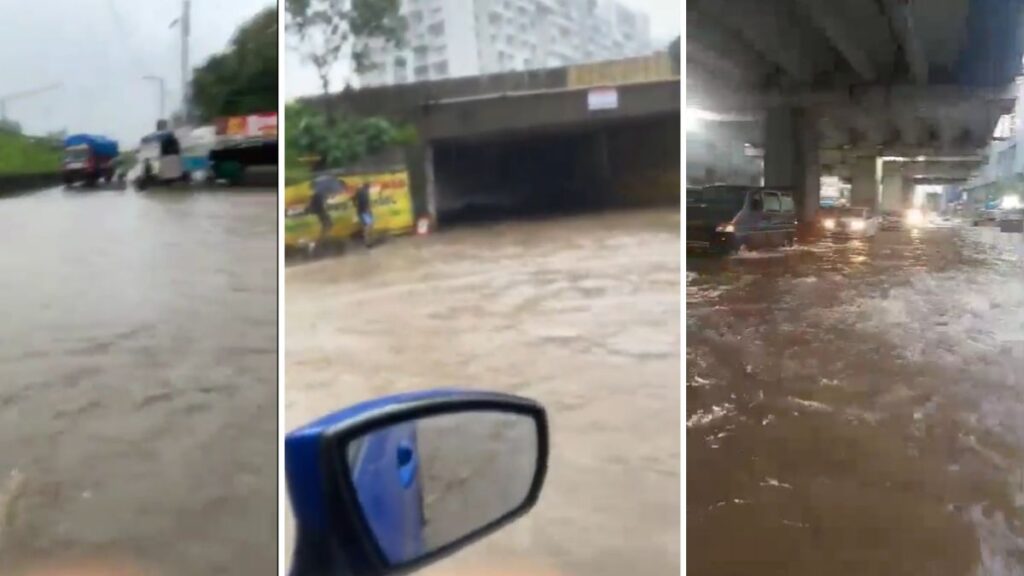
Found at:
(581, 314)
(138, 388)
(858, 408)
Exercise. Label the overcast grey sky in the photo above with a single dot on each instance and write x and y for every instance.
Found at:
(301, 79)
(99, 50)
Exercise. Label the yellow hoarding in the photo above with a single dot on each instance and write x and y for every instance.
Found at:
(625, 71)
(390, 201)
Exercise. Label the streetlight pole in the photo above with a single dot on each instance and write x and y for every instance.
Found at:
(186, 26)
(160, 82)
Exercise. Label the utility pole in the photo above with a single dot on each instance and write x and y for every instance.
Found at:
(186, 24)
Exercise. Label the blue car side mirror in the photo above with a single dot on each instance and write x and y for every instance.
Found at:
(391, 485)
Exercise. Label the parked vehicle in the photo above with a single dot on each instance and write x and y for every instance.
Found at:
(381, 487)
(859, 222)
(893, 220)
(159, 160)
(1011, 220)
(987, 217)
(734, 218)
(88, 158)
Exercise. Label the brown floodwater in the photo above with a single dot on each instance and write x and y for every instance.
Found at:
(857, 407)
(582, 314)
(138, 417)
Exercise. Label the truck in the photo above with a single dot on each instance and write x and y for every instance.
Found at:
(88, 158)
(243, 143)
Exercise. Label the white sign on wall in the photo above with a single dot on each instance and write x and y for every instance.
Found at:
(602, 99)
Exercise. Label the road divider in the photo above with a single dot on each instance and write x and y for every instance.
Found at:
(13, 184)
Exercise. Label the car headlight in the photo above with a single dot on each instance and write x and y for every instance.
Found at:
(726, 227)
(829, 223)
(915, 217)
(856, 224)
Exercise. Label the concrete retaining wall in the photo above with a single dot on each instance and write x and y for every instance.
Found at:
(12, 185)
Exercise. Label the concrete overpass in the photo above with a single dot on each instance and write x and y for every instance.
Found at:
(889, 78)
(601, 134)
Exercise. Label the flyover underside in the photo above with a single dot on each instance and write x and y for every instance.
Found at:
(932, 121)
(885, 78)
(828, 44)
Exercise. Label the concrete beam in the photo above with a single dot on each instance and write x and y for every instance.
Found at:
(936, 170)
(937, 181)
(706, 68)
(923, 99)
(827, 15)
(902, 21)
(549, 110)
(773, 29)
(712, 44)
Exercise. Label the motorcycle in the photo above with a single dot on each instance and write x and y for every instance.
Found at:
(392, 485)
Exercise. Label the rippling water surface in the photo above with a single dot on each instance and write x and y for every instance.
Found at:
(579, 313)
(858, 407)
(138, 379)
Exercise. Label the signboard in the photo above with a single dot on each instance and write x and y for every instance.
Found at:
(602, 99)
(390, 201)
(252, 126)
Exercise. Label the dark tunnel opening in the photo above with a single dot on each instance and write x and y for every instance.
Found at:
(555, 174)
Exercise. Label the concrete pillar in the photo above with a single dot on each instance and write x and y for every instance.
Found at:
(791, 158)
(893, 192)
(430, 184)
(864, 182)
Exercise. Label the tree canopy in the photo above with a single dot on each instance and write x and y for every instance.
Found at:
(242, 79)
(309, 137)
(327, 31)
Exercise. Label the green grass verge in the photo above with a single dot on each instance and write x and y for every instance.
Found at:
(21, 154)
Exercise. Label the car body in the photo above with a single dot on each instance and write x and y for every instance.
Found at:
(859, 222)
(893, 220)
(987, 217)
(729, 218)
(354, 480)
(1011, 220)
(385, 472)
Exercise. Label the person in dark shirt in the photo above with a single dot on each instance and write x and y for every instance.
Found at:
(365, 212)
(324, 187)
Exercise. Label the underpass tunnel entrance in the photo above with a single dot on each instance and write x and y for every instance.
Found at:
(553, 173)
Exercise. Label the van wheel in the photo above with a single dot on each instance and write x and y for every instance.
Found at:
(789, 241)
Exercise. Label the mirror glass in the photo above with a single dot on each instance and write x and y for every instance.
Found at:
(425, 483)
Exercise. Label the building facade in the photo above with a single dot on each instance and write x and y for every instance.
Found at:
(1003, 172)
(453, 38)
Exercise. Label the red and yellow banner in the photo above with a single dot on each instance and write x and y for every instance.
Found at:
(390, 201)
(251, 126)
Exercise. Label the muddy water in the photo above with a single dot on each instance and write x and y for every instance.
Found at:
(858, 408)
(138, 388)
(580, 314)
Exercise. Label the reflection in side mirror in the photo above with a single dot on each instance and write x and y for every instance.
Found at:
(426, 484)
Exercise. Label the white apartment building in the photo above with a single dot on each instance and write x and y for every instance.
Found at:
(452, 38)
